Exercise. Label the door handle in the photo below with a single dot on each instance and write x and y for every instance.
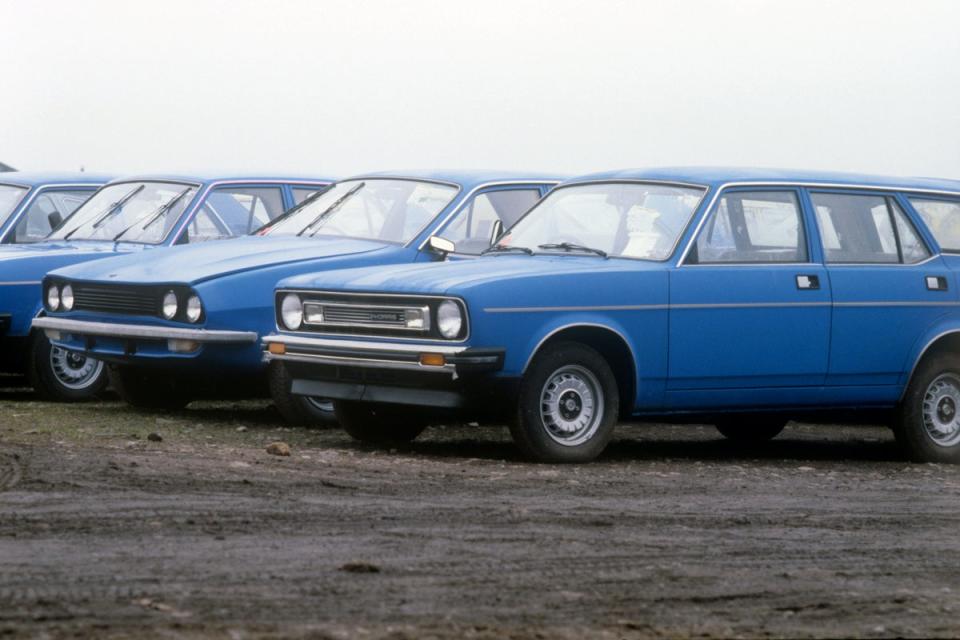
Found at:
(808, 282)
(936, 283)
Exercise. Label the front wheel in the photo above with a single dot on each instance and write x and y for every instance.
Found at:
(568, 405)
(379, 423)
(64, 376)
(149, 390)
(299, 410)
(927, 424)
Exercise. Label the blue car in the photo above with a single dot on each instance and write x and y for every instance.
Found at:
(187, 322)
(125, 216)
(739, 297)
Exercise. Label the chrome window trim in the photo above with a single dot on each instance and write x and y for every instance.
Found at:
(319, 292)
(470, 194)
(681, 262)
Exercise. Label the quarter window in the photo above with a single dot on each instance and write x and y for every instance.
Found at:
(942, 217)
(472, 228)
(866, 229)
(754, 227)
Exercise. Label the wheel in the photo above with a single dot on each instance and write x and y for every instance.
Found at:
(750, 428)
(927, 424)
(379, 423)
(568, 405)
(64, 376)
(299, 410)
(149, 390)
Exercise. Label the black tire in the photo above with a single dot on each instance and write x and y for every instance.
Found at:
(298, 410)
(749, 428)
(544, 442)
(379, 423)
(149, 390)
(931, 401)
(63, 376)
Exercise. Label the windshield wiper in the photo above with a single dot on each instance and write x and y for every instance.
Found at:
(156, 215)
(569, 246)
(294, 209)
(506, 247)
(333, 207)
(109, 212)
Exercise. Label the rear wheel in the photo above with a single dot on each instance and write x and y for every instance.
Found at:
(299, 410)
(750, 428)
(568, 405)
(379, 423)
(64, 376)
(146, 389)
(927, 423)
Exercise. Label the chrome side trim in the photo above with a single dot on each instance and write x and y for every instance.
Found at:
(917, 303)
(729, 305)
(361, 345)
(625, 307)
(20, 282)
(113, 330)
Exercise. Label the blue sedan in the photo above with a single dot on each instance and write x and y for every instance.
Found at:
(187, 322)
(743, 298)
(125, 217)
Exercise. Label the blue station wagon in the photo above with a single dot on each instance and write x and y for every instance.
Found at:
(187, 322)
(126, 216)
(741, 298)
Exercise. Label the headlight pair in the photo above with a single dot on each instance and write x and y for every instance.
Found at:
(58, 299)
(171, 305)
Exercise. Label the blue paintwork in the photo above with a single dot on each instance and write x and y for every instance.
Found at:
(22, 267)
(235, 279)
(851, 343)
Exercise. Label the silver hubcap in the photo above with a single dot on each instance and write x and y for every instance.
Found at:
(74, 370)
(571, 405)
(941, 403)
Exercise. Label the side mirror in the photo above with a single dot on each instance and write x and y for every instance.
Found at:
(55, 220)
(441, 245)
(496, 231)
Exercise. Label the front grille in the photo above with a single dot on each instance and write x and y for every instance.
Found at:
(369, 316)
(123, 299)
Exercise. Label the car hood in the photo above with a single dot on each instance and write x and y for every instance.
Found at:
(13, 252)
(458, 277)
(192, 264)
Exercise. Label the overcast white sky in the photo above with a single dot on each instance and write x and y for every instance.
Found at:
(339, 87)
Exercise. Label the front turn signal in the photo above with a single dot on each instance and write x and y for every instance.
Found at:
(277, 348)
(432, 359)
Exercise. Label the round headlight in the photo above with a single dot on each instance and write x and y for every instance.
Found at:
(291, 311)
(194, 308)
(53, 298)
(449, 319)
(66, 298)
(169, 305)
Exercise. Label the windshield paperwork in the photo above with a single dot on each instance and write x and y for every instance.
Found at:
(9, 199)
(371, 209)
(626, 220)
(142, 212)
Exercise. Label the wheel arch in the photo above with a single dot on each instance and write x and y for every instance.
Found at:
(942, 340)
(609, 342)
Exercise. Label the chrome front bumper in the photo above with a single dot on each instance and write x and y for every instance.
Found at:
(143, 332)
(380, 355)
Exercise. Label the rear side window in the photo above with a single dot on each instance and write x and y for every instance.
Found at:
(942, 217)
(866, 229)
(755, 227)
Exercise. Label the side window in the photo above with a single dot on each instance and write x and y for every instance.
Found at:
(47, 208)
(753, 226)
(866, 229)
(235, 211)
(473, 225)
(942, 217)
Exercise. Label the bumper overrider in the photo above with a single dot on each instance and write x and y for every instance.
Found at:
(433, 375)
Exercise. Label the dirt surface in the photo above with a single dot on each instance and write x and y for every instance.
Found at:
(674, 532)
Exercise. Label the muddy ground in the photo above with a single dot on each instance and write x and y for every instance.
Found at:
(674, 532)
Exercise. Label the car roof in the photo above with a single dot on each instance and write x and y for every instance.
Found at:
(466, 178)
(207, 177)
(43, 178)
(716, 176)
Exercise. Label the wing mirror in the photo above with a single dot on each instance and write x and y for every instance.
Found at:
(441, 245)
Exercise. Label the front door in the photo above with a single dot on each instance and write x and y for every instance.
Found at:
(749, 306)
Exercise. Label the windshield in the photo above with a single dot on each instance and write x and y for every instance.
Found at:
(372, 209)
(628, 220)
(9, 199)
(143, 212)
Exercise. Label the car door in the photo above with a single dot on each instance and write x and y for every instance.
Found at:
(888, 286)
(749, 305)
